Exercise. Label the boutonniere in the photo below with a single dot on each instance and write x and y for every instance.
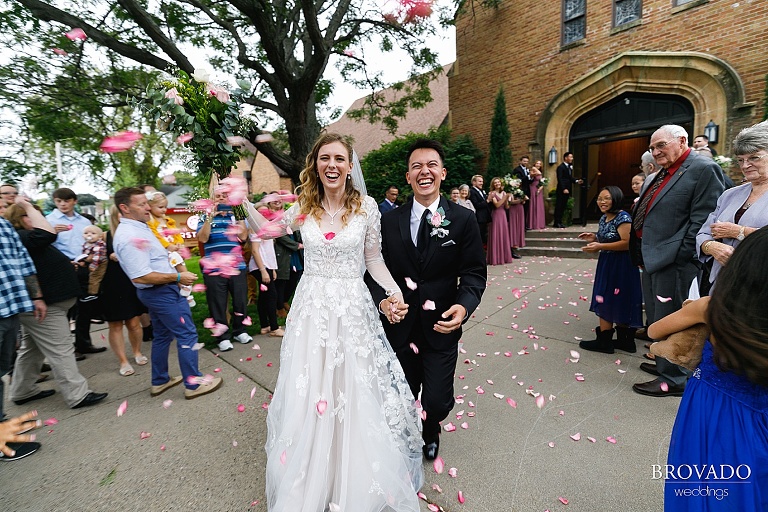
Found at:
(438, 223)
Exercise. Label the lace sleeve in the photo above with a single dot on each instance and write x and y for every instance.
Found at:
(265, 228)
(374, 262)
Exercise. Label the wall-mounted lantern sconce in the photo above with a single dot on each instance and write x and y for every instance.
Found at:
(711, 131)
(552, 157)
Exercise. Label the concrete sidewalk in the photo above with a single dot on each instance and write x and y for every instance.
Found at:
(203, 454)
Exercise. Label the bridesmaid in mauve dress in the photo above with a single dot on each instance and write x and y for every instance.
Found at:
(516, 224)
(498, 235)
(536, 216)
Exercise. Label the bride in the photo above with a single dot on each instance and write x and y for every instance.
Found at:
(342, 429)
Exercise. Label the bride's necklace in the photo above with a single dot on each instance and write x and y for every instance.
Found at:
(332, 216)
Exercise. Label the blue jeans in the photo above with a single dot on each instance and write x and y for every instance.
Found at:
(171, 318)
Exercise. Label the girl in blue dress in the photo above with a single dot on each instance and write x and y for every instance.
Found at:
(616, 294)
(718, 453)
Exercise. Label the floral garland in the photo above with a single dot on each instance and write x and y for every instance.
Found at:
(205, 117)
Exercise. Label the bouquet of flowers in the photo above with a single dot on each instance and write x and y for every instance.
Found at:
(724, 162)
(205, 117)
(510, 182)
(543, 181)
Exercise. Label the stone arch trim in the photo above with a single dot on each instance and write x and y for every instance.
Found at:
(711, 85)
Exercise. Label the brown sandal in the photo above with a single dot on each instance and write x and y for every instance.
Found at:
(649, 356)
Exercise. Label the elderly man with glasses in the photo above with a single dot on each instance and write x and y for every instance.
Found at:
(671, 209)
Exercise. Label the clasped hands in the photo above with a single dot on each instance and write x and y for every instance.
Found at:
(394, 308)
(724, 230)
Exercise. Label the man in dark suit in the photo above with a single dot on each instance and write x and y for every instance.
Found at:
(479, 200)
(390, 198)
(432, 248)
(564, 190)
(522, 173)
(671, 209)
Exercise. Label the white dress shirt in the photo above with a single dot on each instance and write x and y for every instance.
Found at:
(416, 212)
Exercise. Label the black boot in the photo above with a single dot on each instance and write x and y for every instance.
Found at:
(625, 339)
(603, 343)
(148, 333)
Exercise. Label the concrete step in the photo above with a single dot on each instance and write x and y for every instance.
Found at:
(553, 242)
(557, 252)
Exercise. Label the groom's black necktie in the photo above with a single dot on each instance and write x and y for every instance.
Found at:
(422, 237)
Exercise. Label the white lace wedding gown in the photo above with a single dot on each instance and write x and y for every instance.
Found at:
(342, 430)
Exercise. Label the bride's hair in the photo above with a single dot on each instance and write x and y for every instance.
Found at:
(311, 192)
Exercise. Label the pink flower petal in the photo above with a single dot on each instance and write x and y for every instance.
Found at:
(167, 403)
(461, 497)
(616, 291)
(450, 427)
(428, 305)
(162, 447)
(599, 299)
(453, 472)
(59, 51)
(121, 141)
(465, 425)
(144, 435)
(50, 422)
(551, 444)
(410, 283)
(208, 323)
(664, 387)
(563, 500)
(247, 321)
(76, 34)
(263, 287)
(439, 464)
(321, 406)
(283, 457)
(512, 403)
(540, 401)
(576, 436)
(329, 235)
(414, 348)
(184, 138)
(198, 287)
(253, 392)
(433, 508)
(122, 408)
(663, 299)
(435, 487)
(240, 408)
(611, 439)
(516, 293)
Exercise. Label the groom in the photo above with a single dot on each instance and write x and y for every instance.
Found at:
(433, 249)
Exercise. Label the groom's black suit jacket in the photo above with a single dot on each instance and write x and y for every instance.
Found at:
(452, 270)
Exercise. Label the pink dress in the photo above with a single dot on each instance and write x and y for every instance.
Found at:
(536, 216)
(499, 249)
(516, 225)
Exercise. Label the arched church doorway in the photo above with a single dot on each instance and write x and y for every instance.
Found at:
(608, 142)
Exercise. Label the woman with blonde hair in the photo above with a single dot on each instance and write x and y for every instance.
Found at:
(120, 305)
(343, 419)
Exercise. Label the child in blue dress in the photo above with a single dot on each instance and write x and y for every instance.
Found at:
(616, 294)
(721, 428)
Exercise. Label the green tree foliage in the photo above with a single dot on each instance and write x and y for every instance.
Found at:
(282, 47)
(499, 154)
(75, 98)
(386, 166)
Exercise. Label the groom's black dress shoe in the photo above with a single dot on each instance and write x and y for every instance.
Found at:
(90, 399)
(431, 448)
